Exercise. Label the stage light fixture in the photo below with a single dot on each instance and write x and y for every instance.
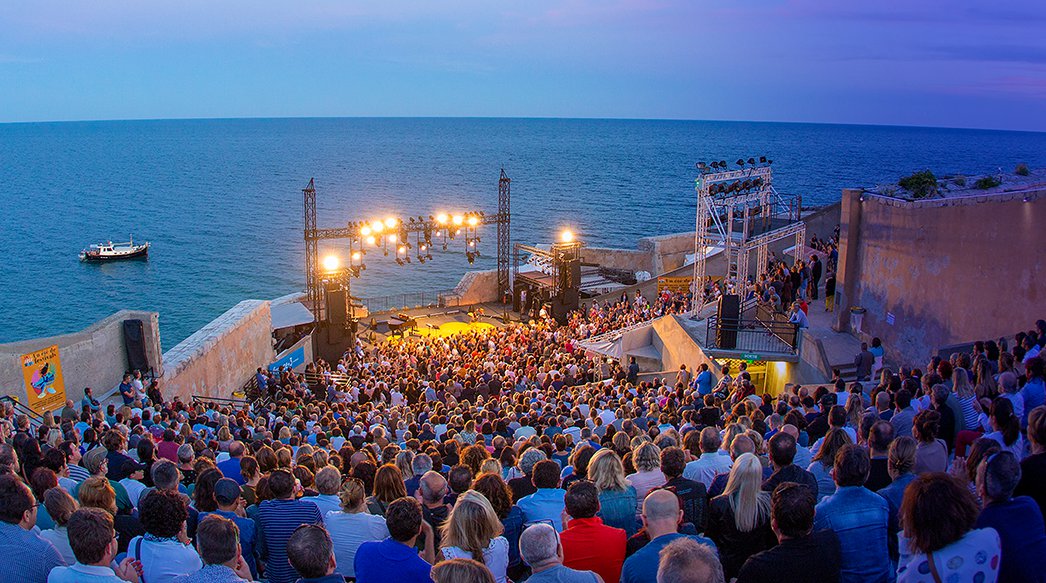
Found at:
(473, 221)
(702, 166)
(371, 240)
(722, 164)
(458, 220)
(740, 162)
(365, 230)
(567, 236)
(442, 218)
(356, 256)
(391, 222)
(331, 263)
(751, 161)
(377, 226)
(762, 159)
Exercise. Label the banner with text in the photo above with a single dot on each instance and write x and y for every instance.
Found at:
(674, 284)
(44, 385)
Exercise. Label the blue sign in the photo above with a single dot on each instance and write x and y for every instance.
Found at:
(293, 359)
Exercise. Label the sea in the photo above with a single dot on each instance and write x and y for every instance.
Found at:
(220, 200)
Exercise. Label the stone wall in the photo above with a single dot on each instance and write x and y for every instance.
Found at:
(94, 357)
(217, 359)
(948, 270)
(477, 287)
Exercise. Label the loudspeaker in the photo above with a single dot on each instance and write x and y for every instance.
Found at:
(337, 314)
(729, 315)
(134, 343)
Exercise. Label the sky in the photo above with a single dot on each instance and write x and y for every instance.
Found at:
(950, 63)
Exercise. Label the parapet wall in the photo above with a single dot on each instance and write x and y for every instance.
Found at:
(93, 357)
(931, 273)
(477, 287)
(221, 356)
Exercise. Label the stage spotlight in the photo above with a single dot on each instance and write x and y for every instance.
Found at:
(740, 162)
(715, 166)
(471, 257)
(371, 240)
(399, 261)
(442, 218)
(391, 222)
(412, 220)
(331, 263)
(722, 164)
(702, 166)
(458, 220)
(356, 256)
(762, 159)
(473, 221)
(751, 161)
(567, 236)
(392, 238)
(377, 226)
(365, 231)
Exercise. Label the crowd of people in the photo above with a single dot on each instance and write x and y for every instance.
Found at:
(508, 454)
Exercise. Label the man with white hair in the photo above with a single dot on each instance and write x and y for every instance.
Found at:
(540, 547)
(688, 561)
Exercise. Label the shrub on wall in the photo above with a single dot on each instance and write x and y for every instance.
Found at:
(921, 184)
(1022, 169)
(987, 182)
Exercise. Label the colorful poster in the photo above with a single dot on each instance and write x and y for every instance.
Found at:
(44, 385)
(675, 284)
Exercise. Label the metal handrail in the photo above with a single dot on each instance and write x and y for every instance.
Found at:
(20, 407)
(786, 333)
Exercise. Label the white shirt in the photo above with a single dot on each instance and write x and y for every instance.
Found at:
(495, 557)
(165, 561)
(705, 468)
(348, 532)
(134, 489)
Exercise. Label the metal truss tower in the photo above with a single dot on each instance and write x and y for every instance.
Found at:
(504, 237)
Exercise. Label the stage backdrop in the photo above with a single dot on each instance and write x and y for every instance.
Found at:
(44, 385)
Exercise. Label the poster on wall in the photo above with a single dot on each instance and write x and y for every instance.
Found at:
(44, 385)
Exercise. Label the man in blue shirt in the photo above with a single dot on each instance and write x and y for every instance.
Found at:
(279, 519)
(547, 503)
(28, 556)
(661, 518)
(127, 390)
(703, 381)
(231, 467)
(858, 517)
(375, 562)
(1017, 520)
(227, 495)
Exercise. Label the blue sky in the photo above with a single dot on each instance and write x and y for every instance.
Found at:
(954, 63)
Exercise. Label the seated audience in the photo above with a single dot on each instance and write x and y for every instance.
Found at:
(588, 544)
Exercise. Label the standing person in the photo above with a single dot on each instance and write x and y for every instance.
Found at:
(473, 531)
(863, 362)
(94, 543)
(661, 516)
(376, 560)
(802, 554)
(279, 518)
(126, 390)
(829, 291)
(633, 371)
(938, 516)
(541, 549)
(588, 544)
(703, 381)
(815, 275)
(859, 517)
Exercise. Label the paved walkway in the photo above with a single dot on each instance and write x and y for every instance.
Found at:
(840, 348)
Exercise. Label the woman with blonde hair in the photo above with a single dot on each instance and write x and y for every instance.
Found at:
(284, 458)
(966, 394)
(473, 531)
(388, 486)
(739, 519)
(352, 525)
(96, 492)
(854, 410)
(60, 506)
(617, 498)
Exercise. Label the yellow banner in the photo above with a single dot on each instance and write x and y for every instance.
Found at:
(675, 284)
(44, 385)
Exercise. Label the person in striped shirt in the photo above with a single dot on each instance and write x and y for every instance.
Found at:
(279, 518)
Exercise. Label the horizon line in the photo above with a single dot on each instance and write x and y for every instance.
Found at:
(482, 117)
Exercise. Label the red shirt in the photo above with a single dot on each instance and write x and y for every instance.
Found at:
(590, 545)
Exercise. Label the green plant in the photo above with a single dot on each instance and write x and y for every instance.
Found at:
(987, 182)
(959, 181)
(920, 184)
(1022, 170)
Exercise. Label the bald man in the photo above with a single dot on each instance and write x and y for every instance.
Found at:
(803, 456)
(661, 517)
(432, 488)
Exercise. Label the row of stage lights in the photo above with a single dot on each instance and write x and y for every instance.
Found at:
(722, 166)
(395, 233)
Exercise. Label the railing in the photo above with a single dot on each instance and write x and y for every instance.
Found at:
(35, 419)
(748, 335)
(235, 403)
(425, 299)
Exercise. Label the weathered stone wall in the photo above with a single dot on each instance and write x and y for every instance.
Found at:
(477, 287)
(94, 357)
(948, 270)
(217, 359)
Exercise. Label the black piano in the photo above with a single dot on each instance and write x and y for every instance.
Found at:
(401, 324)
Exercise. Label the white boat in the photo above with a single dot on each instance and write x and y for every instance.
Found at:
(110, 251)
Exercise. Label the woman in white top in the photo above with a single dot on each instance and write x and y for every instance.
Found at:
(60, 505)
(1006, 428)
(352, 526)
(473, 531)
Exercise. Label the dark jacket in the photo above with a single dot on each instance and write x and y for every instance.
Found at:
(735, 546)
(791, 473)
(813, 558)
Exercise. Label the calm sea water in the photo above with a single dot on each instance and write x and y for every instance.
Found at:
(221, 202)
